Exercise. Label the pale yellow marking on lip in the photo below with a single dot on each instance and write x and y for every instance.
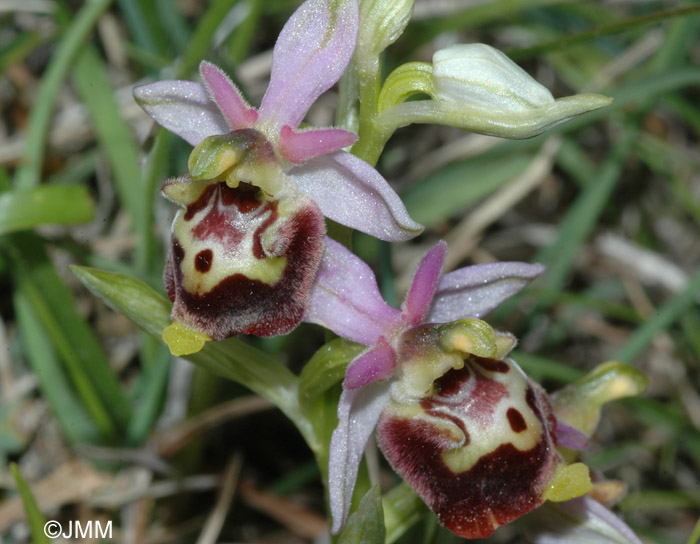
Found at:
(227, 260)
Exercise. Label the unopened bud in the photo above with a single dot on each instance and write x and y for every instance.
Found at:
(480, 75)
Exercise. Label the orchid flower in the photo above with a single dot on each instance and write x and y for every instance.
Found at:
(249, 237)
(459, 421)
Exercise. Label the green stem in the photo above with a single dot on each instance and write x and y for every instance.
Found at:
(369, 144)
(406, 80)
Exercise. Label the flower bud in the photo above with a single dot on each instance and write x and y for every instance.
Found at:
(476, 87)
(483, 76)
(381, 23)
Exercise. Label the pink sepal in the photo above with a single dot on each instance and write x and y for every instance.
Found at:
(579, 521)
(475, 290)
(182, 107)
(345, 297)
(351, 192)
(310, 55)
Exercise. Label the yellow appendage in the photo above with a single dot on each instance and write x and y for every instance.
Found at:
(182, 340)
(569, 482)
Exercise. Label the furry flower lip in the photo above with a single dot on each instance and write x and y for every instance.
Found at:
(456, 418)
(248, 238)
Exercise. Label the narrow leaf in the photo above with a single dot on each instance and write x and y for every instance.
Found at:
(62, 204)
(232, 358)
(53, 383)
(72, 41)
(402, 509)
(35, 518)
(114, 136)
(366, 524)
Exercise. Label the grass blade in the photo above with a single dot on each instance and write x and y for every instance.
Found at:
(35, 518)
(29, 174)
(86, 362)
(61, 204)
(114, 136)
(579, 222)
(75, 423)
(664, 318)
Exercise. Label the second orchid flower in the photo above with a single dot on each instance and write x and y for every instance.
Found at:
(457, 419)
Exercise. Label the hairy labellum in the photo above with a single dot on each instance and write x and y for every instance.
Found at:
(477, 443)
(240, 262)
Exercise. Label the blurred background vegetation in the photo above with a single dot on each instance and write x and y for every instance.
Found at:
(102, 422)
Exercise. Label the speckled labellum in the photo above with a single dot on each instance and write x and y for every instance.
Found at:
(478, 444)
(242, 261)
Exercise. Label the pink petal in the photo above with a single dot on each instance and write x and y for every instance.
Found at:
(182, 107)
(425, 281)
(310, 55)
(476, 290)
(350, 191)
(375, 364)
(301, 145)
(358, 413)
(345, 297)
(227, 97)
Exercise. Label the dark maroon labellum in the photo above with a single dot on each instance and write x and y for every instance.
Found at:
(239, 266)
(480, 450)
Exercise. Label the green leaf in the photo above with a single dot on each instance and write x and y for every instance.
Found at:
(62, 204)
(325, 369)
(141, 17)
(602, 30)
(366, 524)
(668, 314)
(402, 509)
(154, 382)
(128, 296)
(203, 34)
(232, 358)
(35, 518)
(581, 219)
